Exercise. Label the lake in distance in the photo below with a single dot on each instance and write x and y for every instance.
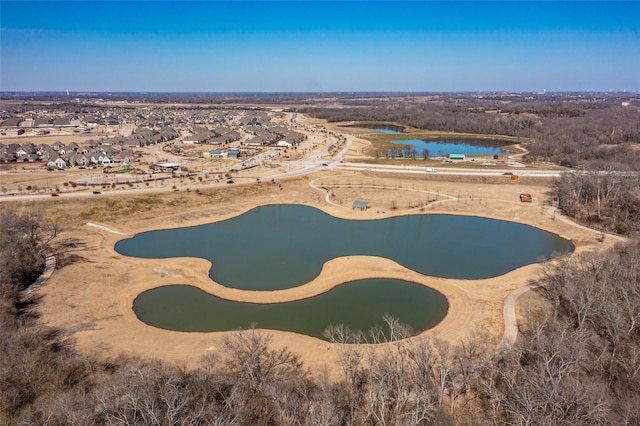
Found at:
(441, 148)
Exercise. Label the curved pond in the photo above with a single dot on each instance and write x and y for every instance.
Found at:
(357, 304)
(283, 246)
(458, 146)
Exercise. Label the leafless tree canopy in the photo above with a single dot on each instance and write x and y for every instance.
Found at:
(574, 130)
(604, 198)
(580, 364)
(24, 244)
(577, 364)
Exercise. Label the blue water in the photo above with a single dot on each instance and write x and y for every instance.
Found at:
(283, 246)
(444, 148)
(388, 129)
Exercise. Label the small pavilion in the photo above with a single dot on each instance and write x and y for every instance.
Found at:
(360, 205)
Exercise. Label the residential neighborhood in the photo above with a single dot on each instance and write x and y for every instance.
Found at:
(107, 145)
(115, 136)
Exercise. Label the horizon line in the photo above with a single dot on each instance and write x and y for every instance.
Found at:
(94, 92)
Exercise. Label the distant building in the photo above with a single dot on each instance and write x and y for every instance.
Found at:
(166, 167)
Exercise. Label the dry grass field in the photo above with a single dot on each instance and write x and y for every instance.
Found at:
(91, 293)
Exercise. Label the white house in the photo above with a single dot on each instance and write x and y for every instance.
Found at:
(57, 163)
(101, 158)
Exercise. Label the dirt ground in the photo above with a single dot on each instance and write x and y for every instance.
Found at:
(91, 293)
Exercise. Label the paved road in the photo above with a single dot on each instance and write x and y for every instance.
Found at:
(313, 163)
(450, 170)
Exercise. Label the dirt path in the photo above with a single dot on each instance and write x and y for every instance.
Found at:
(92, 296)
(510, 322)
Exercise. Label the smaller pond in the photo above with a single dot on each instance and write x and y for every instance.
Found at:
(358, 304)
(389, 129)
(441, 148)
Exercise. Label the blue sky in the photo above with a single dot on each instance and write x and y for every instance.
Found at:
(306, 46)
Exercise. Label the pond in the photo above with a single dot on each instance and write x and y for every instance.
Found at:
(389, 129)
(282, 246)
(358, 304)
(441, 148)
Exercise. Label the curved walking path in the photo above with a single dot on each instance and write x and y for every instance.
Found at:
(104, 228)
(552, 213)
(509, 312)
(327, 196)
(510, 320)
(49, 267)
(102, 319)
(509, 308)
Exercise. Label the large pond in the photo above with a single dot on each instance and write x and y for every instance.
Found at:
(442, 148)
(359, 305)
(283, 246)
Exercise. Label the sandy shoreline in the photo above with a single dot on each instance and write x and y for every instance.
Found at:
(92, 295)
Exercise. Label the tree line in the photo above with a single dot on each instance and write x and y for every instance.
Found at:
(601, 198)
(576, 363)
(568, 132)
(599, 139)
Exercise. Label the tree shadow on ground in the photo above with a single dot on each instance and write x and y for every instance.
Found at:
(65, 249)
(24, 307)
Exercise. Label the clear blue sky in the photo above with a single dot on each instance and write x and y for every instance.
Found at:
(265, 46)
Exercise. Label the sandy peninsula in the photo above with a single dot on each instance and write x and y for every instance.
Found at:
(91, 293)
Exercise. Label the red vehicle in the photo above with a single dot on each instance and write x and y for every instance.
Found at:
(55, 194)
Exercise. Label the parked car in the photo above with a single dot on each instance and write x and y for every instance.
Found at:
(97, 192)
(231, 181)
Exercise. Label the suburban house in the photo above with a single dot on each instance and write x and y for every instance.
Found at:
(56, 163)
(78, 159)
(57, 145)
(101, 158)
(124, 157)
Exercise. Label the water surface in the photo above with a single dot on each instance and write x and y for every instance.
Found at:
(460, 146)
(389, 129)
(283, 246)
(358, 304)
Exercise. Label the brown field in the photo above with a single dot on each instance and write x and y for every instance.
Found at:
(91, 293)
